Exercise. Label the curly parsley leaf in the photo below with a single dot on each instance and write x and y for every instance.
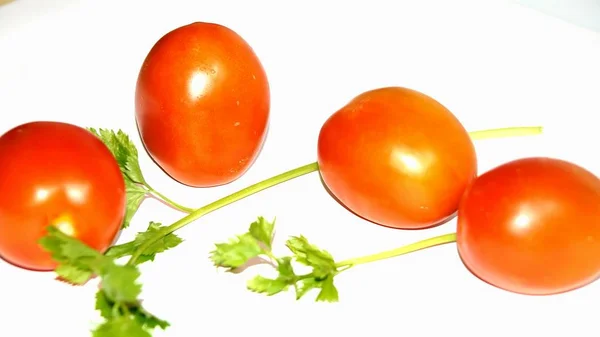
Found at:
(167, 242)
(117, 299)
(241, 249)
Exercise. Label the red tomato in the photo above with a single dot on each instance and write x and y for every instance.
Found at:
(532, 226)
(397, 157)
(56, 174)
(202, 104)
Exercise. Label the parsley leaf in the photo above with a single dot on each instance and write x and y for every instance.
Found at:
(76, 261)
(135, 194)
(136, 186)
(126, 154)
(121, 326)
(124, 151)
(246, 247)
(310, 255)
(286, 278)
(236, 252)
(165, 243)
(117, 298)
(263, 230)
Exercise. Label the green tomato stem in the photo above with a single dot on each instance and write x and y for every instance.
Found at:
(419, 245)
(170, 202)
(213, 206)
(278, 179)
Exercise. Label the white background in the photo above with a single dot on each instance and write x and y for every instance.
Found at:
(492, 64)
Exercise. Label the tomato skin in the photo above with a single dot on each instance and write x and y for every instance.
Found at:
(202, 104)
(532, 226)
(61, 174)
(397, 157)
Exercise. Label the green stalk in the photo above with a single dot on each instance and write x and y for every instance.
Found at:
(297, 172)
(170, 202)
(213, 206)
(431, 242)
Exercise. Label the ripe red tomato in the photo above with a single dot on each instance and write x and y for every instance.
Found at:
(57, 174)
(397, 157)
(202, 104)
(532, 226)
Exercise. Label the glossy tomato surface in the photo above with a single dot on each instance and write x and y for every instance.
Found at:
(57, 174)
(202, 104)
(397, 157)
(532, 226)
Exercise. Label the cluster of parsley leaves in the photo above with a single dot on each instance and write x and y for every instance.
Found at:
(255, 247)
(118, 297)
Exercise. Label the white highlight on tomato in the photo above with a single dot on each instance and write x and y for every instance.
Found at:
(409, 163)
(42, 194)
(522, 221)
(77, 193)
(198, 84)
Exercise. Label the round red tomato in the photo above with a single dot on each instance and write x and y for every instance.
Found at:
(397, 157)
(532, 226)
(202, 104)
(59, 174)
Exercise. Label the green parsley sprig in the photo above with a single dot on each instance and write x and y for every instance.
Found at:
(255, 246)
(117, 298)
(138, 189)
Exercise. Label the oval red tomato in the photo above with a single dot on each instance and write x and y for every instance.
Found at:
(202, 104)
(532, 226)
(397, 157)
(59, 174)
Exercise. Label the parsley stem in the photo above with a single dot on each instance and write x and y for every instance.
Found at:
(169, 201)
(506, 132)
(431, 242)
(213, 206)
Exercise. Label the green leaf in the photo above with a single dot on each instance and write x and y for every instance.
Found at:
(120, 283)
(305, 285)
(73, 274)
(308, 254)
(328, 291)
(262, 230)
(104, 305)
(126, 155)
(117, 299)
(76, 261)
(124, 151)
(267, 286)
(285, 268)
(165, 243)
(136, 194)
(122, 326)
(236, 252)
(239, 250)
(148, 320)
